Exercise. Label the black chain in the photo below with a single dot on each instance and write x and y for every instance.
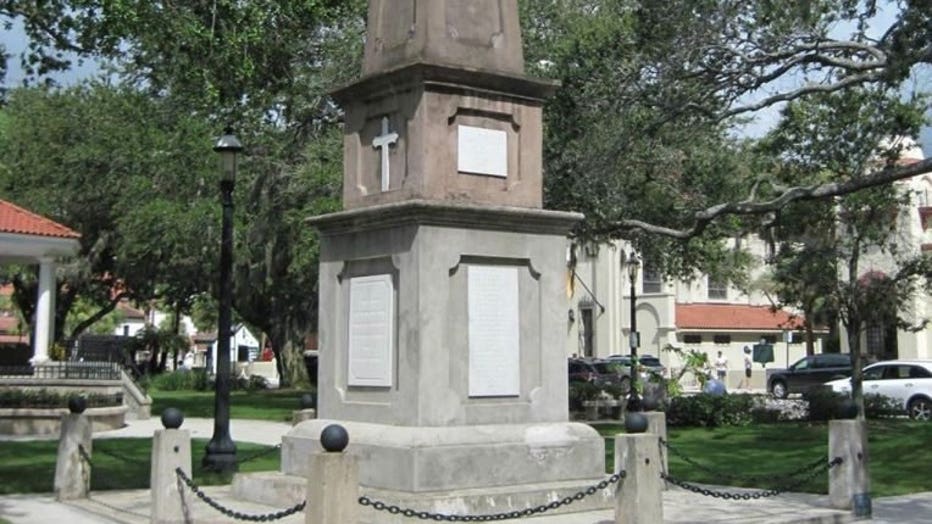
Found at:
(517, 514)
(232, 513)
(752, 495)
(123, 458)
(259, 454)
(84, 455)
(752, 479)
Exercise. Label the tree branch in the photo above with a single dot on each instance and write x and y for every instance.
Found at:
(702, 219)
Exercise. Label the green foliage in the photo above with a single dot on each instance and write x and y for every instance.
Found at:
(268, 404)
(711, 410)
(45, 399)
(694, 362)
(181, 380)
(824, 405)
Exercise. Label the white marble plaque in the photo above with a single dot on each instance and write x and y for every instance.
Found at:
(371, 331)
(494, 326)
(483, 151)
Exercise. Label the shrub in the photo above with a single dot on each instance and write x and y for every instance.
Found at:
(580, 392)
(711, 410)
(45, 399)
(181, 380)
(823, 404)
(880, 406)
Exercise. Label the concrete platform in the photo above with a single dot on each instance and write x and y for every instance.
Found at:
(680, 507)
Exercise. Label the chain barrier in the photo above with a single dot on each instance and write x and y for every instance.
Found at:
(259, 454)
(232, 513)
(517, 514)
(752, 479)
(123, 458)
(753, 495)
(84, 456)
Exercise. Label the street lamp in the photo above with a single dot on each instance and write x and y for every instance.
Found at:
(221, 451)
(632, 263)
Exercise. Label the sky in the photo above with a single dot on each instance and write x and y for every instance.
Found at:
(15, 42)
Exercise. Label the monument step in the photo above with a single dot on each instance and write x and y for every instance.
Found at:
(280, 490)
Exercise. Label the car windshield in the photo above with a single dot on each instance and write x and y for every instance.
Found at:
(650, 361)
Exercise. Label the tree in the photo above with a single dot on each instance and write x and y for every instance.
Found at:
(130, 190)
(823, 246)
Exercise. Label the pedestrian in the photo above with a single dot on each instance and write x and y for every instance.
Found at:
(748, 363)
(721, 367)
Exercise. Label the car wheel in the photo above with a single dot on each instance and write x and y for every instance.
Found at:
(779, 389)
(625, 385)
(920, 409)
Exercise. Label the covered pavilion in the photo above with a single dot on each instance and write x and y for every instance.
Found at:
(30, 239)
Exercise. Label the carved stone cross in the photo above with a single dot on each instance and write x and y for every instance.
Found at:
(383, 142)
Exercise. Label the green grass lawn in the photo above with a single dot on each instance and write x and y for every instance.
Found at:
(271, 404)
(901, 457)
(29, 467)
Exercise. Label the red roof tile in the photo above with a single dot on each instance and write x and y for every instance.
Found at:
(733, 316)
(14, 219)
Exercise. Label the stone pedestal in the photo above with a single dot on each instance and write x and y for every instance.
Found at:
(72, 472)
(333, 489)
(849, 482)
(639, 499)
(171, 449)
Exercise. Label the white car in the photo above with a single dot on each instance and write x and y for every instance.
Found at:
(908, 381)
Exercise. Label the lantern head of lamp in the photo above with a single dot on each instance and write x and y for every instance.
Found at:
(229, 147)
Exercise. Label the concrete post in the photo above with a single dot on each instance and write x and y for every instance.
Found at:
(639, 499)
(300, 415)
(849, 482)
(171, 448)
(332, 489)
(657, 425)
(72, 472)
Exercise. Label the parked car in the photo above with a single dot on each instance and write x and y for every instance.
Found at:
(808, 373)
(907, 381)
(581, 370)
(611, 372)
(649, 364)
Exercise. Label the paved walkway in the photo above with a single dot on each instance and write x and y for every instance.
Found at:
(680, 507)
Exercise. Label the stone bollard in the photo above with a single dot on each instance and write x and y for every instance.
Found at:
(333, 484)
(639, 499)
(849, 482)
(657, 425)
(72, 470)
(171, 449)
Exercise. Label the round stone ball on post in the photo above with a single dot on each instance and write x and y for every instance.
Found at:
(635, 422)
(77, 404)
(307, 401)
(334, 438)
(172, 418)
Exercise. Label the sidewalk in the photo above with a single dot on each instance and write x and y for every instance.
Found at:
(680, 507)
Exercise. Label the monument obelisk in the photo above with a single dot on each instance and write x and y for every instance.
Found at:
(442, 310)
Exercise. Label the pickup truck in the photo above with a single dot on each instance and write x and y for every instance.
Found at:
(808, 373)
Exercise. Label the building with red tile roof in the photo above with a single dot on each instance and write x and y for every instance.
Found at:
(734, 317)
(30, 239)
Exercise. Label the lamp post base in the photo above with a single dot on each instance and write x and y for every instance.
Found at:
(634, 402)
(220, 457)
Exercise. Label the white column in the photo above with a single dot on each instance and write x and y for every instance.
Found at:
(45, 311)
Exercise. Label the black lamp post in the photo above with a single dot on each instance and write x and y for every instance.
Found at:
(632, 263)
(221, 451)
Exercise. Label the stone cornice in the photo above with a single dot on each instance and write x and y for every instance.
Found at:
(414, 75)
(444, 214)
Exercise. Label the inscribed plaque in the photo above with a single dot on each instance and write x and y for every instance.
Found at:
(483, 151)
(494, 341)
(371, 331)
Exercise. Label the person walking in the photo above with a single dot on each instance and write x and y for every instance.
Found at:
(748, 363)
(721, 368)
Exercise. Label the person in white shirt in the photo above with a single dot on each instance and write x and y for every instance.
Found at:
(721, 367)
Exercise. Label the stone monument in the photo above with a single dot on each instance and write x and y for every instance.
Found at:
(442, 282)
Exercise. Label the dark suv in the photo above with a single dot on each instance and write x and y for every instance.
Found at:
(808, 373)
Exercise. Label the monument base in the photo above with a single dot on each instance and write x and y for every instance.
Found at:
(452, 470)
